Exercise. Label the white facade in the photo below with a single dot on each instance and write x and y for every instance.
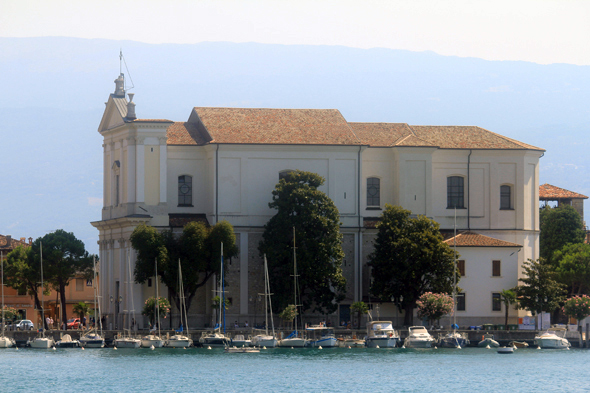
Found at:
(233, 177)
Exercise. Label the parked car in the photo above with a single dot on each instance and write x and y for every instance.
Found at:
(73, 323)
(24, 324)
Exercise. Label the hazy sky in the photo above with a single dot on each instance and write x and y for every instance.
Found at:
(542, 31)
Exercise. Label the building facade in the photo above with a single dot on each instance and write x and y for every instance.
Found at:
(223, 163)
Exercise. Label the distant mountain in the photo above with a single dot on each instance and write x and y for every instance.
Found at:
(54, 89)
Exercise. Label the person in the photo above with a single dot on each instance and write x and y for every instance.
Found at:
(50, 323)
(246, 324)
(236, 324)
(47, 322)
(84, 322)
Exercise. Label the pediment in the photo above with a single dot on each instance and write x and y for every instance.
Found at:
(114, 113)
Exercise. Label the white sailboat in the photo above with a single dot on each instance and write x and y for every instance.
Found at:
(216, 338)
(5, 342)
(42, 341)
(266, 340)
(179, 340)
(294, 339)
(154, 340)
(94, 338)
(127, 341)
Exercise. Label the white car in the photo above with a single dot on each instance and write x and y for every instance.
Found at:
(24, 324)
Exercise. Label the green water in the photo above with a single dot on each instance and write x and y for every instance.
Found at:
(294, 370)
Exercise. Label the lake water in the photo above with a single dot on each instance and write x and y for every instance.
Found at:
(294, 370)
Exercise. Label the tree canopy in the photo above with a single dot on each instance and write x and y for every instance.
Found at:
(410, 258)
(559, 226)
(198, 249)
(319, 253)
(573, 267)
(540, 290)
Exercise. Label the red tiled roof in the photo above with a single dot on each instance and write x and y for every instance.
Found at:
(472, 239)
(277, 126)
(14, 243)
(382, 134)
(185, 133)
(467, 137)
(547, 191)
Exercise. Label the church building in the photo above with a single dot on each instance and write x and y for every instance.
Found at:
(223, 163)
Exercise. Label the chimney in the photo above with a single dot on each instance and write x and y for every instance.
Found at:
(8, 241)
(131, 108)
(120, 86)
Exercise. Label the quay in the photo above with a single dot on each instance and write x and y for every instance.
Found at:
(475, 336)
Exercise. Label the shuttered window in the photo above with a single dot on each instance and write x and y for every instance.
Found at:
(496, 268)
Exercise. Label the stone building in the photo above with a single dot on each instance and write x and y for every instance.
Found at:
(223, 163)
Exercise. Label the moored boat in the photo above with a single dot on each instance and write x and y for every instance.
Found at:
(321, 336)
(453, 339)
(67, 342)
(381, 334)
(550, 339)
(518, 344)
(41, 342)
(350, 342)
(505, 350)
(418, 337)
(487, 340)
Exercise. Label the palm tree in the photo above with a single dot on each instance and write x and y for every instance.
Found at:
(81, 309)
(507, 297)
(360, 308)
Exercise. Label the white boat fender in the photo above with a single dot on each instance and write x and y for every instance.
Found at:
(152, 347)
(183, 347)
(487, 347)
(53, 348)
(458, 347)
(115, 348)
(263, 347)
(292, 348)
(349, 347)
(82, 348)
(17, 348)
(320, 347)
(435, 347)
(209, 347)
(377, 346)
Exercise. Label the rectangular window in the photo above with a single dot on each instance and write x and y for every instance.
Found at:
(21, 291)
(460, 302)
(496, 302)
(80, 284)
(505, 198)
(496, 268)
(461, 267)
(455, 192)
(373, 192)
(185, 190)
(149, 282)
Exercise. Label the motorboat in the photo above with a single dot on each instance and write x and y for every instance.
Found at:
(92, 339)
(505, 350)
(418, 337)
(234, 349)
(67, 342)
(321, 336)
(381, 334)
(214, 339)
(487, 340)
(7, 342)
(240, 341)
(518, 344)
(453, 339)
(350, 342)
(553, 338)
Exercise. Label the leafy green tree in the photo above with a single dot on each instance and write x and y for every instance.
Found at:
(81, 309)
(410, 258)
(360, 308)
(22, 271)
(507, 297)
(64, 258)
(289, 313)
(150, 311)
(559, 226)
(573, 267)
(540, 290)
(433, 306)
(577, 307)
(301, 205)
(198, 249)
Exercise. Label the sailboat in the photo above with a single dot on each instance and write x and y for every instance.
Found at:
(216, 338)
(42, 342)
(294, 339)
(266, 340)
(93, 338)
(154, 340)
(128, 341)
(454, 339)
(5, 342)
(179, 340)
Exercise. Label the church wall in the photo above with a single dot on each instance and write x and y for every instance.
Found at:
(378, 163)
(185, 161)
(152, 173)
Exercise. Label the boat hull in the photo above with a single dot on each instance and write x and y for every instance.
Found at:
(155, 341)
(296, 342)
(505, 350)
(552, 343)
(488, 342)
(7, 342)
(92, 343)
(264, 341)
(178, 342)
(127, 343)
(382, 342)
(326, 342)
(351, 342)
(42, 343)
(453, 340)
(215, 341)
(418, 343)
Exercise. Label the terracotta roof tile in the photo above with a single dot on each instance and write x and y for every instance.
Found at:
(472, 239)
(549, 192)
(184, 133)
(277, 126)
(12, 244)
(381, 134)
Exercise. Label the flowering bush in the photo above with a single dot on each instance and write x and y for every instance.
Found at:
(577, 307)
(10, 313)
(434, 305)
(149, 308)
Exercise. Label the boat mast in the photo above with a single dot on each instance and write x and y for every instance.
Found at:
(2, 268)
(455, 271)
(157, 300)
(222, 297)
(295, 278)
(267, 290)
(182, 302)
(42, 298)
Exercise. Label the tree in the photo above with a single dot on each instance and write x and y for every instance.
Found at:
(64, 258)
(434, 305)
(573, 267)
(150, 311)
(198, 249)
(577, 307)
(507, 297)
(410, 258)
(22, 271)
(360, 308)
(540, 290)
(319, 254)
(559, 226)
(81, 309)
(289, 313)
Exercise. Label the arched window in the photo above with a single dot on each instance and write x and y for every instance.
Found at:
(455, 192)
(373, 192)
(185, 190)
(506, 197)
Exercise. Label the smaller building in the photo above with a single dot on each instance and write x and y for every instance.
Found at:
(549, 193)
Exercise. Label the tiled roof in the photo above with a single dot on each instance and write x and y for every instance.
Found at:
(185, 133)
(547, 191)
(11, 244)
(472, 239)
(277, 126)
(381, 134)
(151, 121)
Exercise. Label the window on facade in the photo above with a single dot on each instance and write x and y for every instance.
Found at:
(284, 174)
(460, 301)
(455, 192)
(149, 282)
(21, 291)
(505, 198)
(496, 302)
(185, 190)
(373, 191)
(461, 267)
(496, 268)
(80, 282)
